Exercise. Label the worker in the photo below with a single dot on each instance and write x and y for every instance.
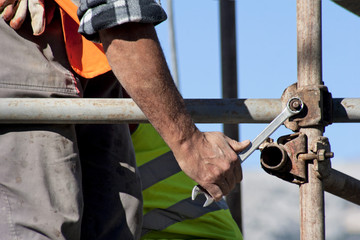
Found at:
(81, 182)
(169, 212)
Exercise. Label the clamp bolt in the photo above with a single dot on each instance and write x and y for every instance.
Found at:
(322, 155)
(295, 104)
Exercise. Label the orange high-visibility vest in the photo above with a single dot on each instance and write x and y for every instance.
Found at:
(85, 57)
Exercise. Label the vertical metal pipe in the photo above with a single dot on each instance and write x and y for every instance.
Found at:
(229, 87)
(310, 75)
(309, 43)
(174, 65)
(312, 225)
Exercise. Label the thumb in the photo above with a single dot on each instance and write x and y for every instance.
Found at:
(38, 18)
(239, 146)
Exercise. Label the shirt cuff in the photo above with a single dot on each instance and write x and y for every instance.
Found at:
(96, 15)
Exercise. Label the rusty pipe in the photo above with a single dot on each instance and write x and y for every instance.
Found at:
(274, 157)
(275, 160)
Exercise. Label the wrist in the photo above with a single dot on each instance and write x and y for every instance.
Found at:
(187, 142)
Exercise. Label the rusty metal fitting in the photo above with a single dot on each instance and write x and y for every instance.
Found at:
(265, 143)
(295, 104)
(281, 159)
(307, 156)
(274, 157)
(321, 155)
(275, 160)
(317, 106)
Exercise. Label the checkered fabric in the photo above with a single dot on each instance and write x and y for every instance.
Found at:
(96, 15)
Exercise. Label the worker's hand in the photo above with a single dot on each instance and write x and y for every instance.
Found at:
(15, 11)
(211, 159)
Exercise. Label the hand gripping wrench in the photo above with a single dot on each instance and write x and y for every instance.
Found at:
(293, 107)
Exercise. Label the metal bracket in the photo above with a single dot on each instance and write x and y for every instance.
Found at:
(320, 154)
(317, 110)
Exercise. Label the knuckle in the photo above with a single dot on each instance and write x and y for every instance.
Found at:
(233, 157)
(216, 172)
(227, 165)
(217, 195)
(209, 177)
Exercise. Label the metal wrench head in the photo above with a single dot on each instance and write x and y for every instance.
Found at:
(295, 105)
(199, 190)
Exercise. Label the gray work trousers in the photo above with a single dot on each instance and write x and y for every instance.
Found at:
(62, 181)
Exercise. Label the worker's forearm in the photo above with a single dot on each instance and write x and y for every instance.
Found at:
(136, 58)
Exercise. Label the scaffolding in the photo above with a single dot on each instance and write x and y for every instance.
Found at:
(302, 158)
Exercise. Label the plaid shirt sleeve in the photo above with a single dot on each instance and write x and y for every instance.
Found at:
(96, 15)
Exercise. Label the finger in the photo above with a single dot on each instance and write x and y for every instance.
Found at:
(231, 177)
(214, 190)
(8, 12)
(238, 146)
(214, 182)
(5, 3)
(227, 184)
(38, 18)
(237, 170)
(224, 180)
(20, 15)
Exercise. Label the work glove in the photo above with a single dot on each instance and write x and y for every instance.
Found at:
(15, 11)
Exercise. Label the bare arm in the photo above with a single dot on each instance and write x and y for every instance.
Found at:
(136, 58)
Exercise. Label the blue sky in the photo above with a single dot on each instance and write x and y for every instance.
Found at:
(266, 38)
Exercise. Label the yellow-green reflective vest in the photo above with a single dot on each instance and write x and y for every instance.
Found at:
(169, 212)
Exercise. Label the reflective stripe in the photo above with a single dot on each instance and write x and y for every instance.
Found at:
(158, 169)
(159, 219)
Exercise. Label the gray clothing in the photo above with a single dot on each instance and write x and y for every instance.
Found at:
(35, 66)
(62, 181)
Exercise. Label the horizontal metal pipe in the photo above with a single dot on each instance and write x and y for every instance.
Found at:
(74, 110)
(343, 186)
(62, 110)
(346, 110)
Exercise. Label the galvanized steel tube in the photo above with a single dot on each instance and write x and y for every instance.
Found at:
(346, 110)
(312, 225)
(64, 110)
(343, 186)
(172, 41)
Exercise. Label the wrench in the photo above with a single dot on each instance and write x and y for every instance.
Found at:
(293, 107)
